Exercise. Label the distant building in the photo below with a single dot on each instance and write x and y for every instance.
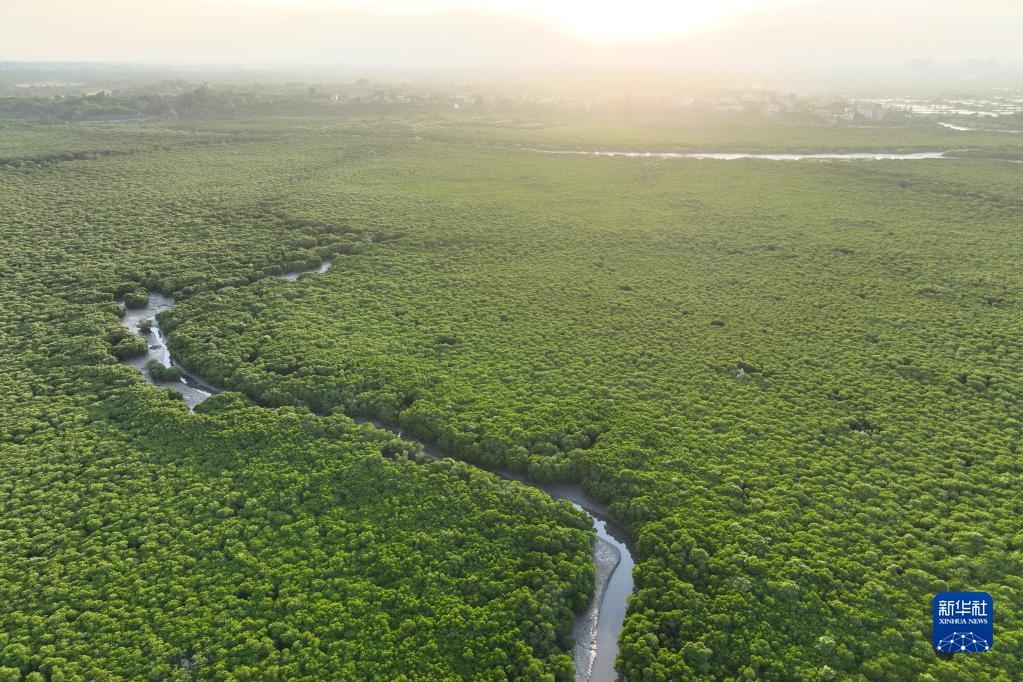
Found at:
(869, 111)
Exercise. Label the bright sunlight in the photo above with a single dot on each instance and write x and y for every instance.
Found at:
(617, 20)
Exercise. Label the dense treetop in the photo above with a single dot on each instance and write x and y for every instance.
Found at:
(144, 541)
(797, 383)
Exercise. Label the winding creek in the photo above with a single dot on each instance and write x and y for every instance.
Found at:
(595, 630)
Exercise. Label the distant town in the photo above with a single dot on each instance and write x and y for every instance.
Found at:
(91, 93)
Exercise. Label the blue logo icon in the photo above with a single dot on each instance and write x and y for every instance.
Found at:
(963, 622)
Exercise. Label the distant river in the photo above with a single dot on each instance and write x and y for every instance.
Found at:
(595, 631)
(952, 126)
(732, 156)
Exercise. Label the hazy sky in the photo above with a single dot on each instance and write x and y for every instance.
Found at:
(678, 34)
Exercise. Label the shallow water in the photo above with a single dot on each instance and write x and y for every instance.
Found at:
(732, 156)
(292, 276)
(192, 390)
(595, 631)
(952, 126)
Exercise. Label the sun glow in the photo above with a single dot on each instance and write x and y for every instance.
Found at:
(599, 20)
(636, 19)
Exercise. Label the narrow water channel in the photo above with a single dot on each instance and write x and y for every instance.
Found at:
(769, 156)
(595, 631)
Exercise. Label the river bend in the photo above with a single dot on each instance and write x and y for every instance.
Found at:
(595, 631)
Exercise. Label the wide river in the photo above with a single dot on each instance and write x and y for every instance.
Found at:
(595, 630)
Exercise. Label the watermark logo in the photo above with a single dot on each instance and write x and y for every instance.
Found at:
(963, 622)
